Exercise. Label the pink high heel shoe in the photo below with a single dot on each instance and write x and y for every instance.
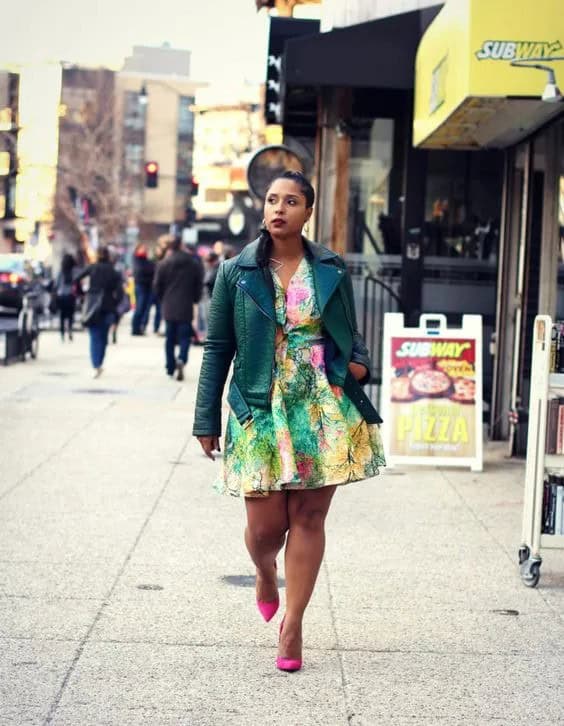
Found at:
(268, 608)
(287, 664)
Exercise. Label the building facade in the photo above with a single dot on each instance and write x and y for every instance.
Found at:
(229, 128)
(428, 215)
(78, 140)
(155, 99)
(9, 122)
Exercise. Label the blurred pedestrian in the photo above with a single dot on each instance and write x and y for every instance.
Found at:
(65, 295)
(123, 306)
(160, 252)
(178, 286)
(198, 318)
(104, 293)
(212, 266)
(143, 274)
(300, 423)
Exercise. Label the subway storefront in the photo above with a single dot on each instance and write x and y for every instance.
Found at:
(487, 77)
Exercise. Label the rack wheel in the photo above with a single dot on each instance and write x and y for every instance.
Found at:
(524, 554)
(530, 572)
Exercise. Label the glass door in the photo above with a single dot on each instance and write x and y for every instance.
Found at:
(527, 233)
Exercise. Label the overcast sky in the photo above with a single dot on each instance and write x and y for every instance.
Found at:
(227, 37)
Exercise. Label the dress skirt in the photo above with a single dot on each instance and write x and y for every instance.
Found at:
(312, 436)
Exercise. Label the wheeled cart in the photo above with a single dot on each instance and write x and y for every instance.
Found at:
(544, 385)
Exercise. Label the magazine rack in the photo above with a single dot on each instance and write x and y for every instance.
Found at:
(544, 384)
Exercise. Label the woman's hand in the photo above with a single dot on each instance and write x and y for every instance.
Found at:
(209, 444)
(358, 370)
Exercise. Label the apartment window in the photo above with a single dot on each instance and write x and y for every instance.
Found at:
(133, 111)
(185, 116)
(133, 159)
(184, 162)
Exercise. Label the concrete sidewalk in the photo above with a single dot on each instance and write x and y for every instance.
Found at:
(127, 596)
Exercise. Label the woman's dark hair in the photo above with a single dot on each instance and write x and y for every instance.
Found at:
(67, 265)
(264, 250)
(103, 254)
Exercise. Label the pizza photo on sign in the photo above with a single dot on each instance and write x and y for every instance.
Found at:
(464, 390)
(431, 383)
(401, 389)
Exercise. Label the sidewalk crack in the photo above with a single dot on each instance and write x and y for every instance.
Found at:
(339, 650)
(59, 695)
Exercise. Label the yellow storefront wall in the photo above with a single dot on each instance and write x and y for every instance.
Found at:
(467, 92)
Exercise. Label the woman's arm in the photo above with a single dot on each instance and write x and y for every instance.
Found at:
(218, 353)
(81, 274)
(360, 365)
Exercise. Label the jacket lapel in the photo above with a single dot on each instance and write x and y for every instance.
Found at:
(326, 279)
(254, 281)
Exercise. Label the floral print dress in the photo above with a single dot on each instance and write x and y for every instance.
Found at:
(313, 435)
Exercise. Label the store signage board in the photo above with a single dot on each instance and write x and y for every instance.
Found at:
(432, 392)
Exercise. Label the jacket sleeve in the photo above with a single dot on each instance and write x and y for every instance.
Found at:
(360, 351)
(219, 350)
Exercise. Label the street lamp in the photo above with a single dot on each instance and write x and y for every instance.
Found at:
(551, 93)
(143, 95)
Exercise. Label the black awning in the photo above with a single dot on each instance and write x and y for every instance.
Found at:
(378, 54)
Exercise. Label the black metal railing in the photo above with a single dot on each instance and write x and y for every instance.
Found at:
(379, 298)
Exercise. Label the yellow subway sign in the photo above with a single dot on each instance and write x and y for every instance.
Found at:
(510, 50)
(463, 71)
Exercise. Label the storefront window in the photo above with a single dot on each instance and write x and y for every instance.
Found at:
(370, 167)
(462, 204)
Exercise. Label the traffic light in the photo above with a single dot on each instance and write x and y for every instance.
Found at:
(151, 174)
(194, 187)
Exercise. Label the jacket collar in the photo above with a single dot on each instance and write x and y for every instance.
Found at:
(326, 275)
(248, 257)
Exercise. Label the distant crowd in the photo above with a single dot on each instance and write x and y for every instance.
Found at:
(171, 281)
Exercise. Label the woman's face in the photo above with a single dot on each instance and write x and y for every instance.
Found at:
(285, 210)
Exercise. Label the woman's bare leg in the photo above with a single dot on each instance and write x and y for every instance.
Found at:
(267, 524)
(307, 511)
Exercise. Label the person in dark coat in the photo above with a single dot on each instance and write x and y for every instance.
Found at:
(65, 291)
(143, 274)
(178, 286)
(106, 280)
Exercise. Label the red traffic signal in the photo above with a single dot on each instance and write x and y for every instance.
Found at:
(194, 186)
(151, 174)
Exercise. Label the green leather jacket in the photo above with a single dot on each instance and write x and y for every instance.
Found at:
(242, 326)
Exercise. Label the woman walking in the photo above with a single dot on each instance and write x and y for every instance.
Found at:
(102, 298)
(300, 424)
(65, 288)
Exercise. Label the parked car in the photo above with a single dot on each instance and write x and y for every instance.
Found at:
(18, 278)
